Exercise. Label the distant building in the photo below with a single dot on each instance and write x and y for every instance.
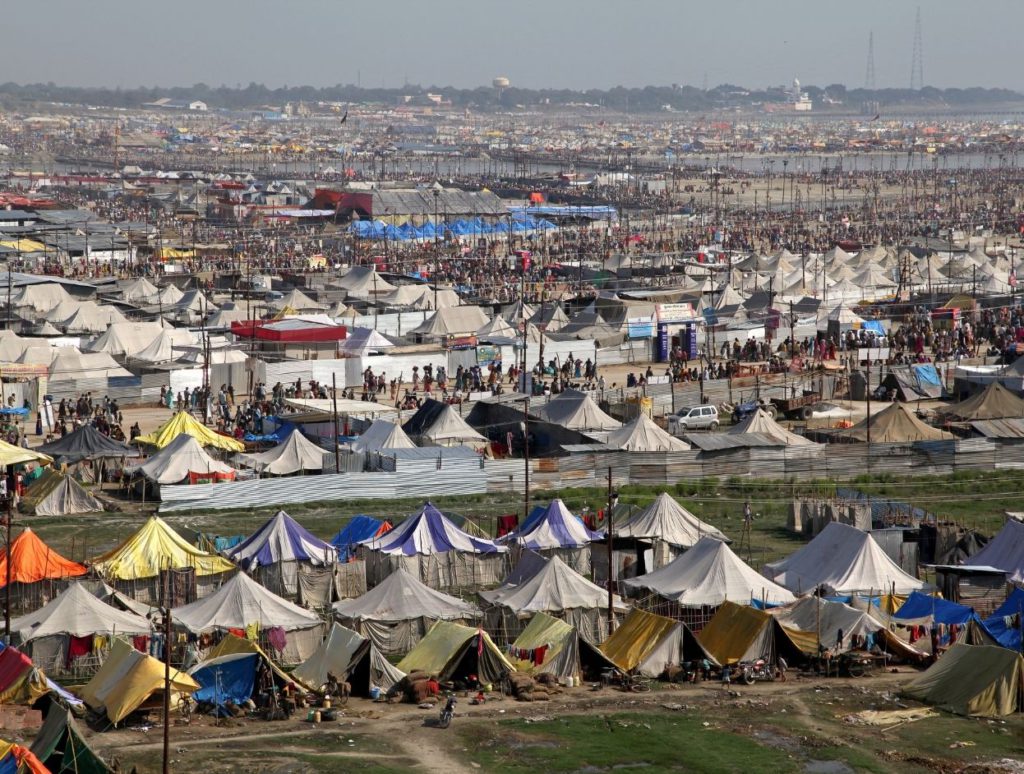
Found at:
(166, 103)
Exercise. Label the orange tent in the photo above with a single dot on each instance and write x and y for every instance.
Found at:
(35, 561)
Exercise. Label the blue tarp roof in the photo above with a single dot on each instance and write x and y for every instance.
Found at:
(920, 605)
(228, 677)
(1007, 632)
(360, 528)
(284, 430)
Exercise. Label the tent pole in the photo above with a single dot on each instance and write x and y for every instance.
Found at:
(167, 675)
(10, 559)
(608, 538)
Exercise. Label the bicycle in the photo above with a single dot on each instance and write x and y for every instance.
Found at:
(185, 709)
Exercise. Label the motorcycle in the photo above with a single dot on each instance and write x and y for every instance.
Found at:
(756, 671)
(448, 712)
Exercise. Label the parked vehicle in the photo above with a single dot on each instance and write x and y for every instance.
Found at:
(448, 712)
(755, 671)
(693, 418)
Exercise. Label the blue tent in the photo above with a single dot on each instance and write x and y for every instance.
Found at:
(1006, 622)
(284, 430)
(360, 528)
(940, 610)
(226, 677)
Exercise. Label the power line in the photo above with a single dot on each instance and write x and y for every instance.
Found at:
(869, 75)
(917, 58)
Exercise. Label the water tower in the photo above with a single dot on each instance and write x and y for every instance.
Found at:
(500, 84)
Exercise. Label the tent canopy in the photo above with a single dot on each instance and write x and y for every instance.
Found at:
(576, 410)
(446, 646)
(994, 402)
(403, 597)
(340, 655)
(431, 532)
(842, 560)
(554, 589)
(282, 539)
(293, 455)
(565, 648)
(760, 422)
(382, 435)
(78, 613)
(32, 561)
(707, 575)
(183, 422)
(127, 679)
(647, 643)
(173, 463)
(1005, 552)
(643, 435)
(896, 423)
(974, 680)
(153, 548)
(241, 601)
(359, 530)
(665, 519)
(555, 528)
(58, 494)
(86, 443)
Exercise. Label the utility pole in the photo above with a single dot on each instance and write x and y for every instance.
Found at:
(7, 587)
(612, 498)
(334, 396)
(167, 672)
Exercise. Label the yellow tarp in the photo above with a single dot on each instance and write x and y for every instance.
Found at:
(443, 644)
(15, 455)
(27, 689)
(977, 680)
(174, 254)
(183, 422)
(157, 547)
(542, 630)
(23, 245)
(127, 678)
(733, 629)
(638, 635)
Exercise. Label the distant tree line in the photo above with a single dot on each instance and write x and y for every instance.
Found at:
(646, 99)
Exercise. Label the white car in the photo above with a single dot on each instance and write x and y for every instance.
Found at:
(693, 418)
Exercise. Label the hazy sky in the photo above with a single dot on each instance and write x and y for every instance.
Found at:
(535, 43)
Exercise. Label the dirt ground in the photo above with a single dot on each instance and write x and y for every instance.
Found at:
(800, 715)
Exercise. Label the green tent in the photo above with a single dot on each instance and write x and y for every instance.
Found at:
(976, 680)
(61, 747)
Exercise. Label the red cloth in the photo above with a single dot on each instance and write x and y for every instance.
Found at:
(79, 646)
(237, 632)
(141, 643)
(507, 524)
(13, 664)
(538, 655)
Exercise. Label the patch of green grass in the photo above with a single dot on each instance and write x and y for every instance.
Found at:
(651, 742)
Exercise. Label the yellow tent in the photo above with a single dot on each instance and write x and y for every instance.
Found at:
(976, 680)
(740, 633)
(173, 253)
(567, 653)
(127, 679)
(153, 548)
(15, 455)
(23, 245)
(447, 645)
(183, 422)
(639, 634)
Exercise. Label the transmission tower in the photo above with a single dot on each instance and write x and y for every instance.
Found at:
(869, 75)
(917, 58)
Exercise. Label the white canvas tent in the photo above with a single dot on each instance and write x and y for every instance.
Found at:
(708, 575)
(396, 613)
(662, 531)
(576, 410)
(556, 589)
(842, 560)
(381, 436)
(643, 435)
(45, 634)
(173, 463)
(351, 657)
(449, 429)
(294, 454)
(241, 602)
